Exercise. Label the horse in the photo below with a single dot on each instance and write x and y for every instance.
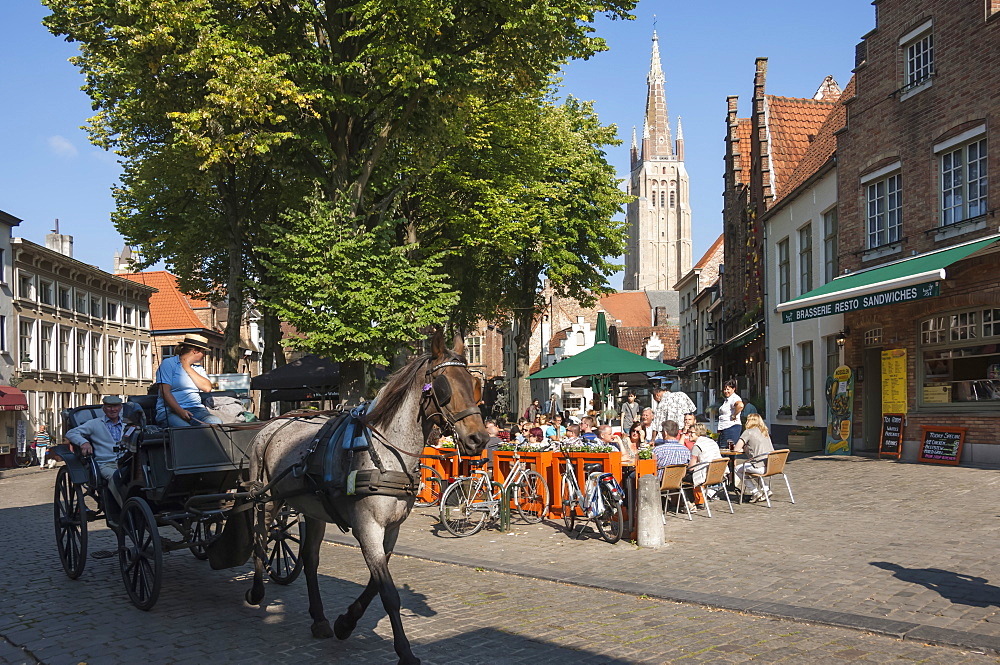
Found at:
(436, 388)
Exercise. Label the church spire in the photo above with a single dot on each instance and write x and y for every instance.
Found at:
(657, 122)
(680, 140)
(634, 152)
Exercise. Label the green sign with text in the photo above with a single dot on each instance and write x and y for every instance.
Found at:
(891, 297)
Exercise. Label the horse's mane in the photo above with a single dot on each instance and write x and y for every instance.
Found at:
(394, 392)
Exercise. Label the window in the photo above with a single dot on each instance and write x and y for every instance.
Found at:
(65, 299)
(127, 315)
(919, 59)
(143, 318)
(112, 311)
(831, 250)
(654, 198)
(3, 333)
(806, 350)
(82, 299)
(873, 337)
(145, 362)
(129, 358)
(95, 307)
(805, 259)
(95, 353)
(959, 360)
(3, 268)
(81, 352)
(45, 347)
(784, 292)
(785, 353)
(673, 198)
(963, 182)
(25, 284)
(45, 293)
(572, 403)
(662, 195)
(113, 368)
(168, 350)
(64, 346)
(832, 354)
(884, 211)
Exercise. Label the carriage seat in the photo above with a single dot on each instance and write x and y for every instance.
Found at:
(147, 404)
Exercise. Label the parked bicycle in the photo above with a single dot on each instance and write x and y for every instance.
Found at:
(599, 502)
(470, 500)
(431, 486)
(25, 456)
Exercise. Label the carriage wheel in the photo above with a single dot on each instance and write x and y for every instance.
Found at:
(205, 531)
(431, 486)
(139, 553)
(284, 544)
(71, 524)
(611, 523)
(531, 496)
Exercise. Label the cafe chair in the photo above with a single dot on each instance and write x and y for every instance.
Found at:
(671, 482)
(774, 466)
(716, 475)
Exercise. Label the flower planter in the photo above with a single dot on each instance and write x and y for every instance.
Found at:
(806, 443)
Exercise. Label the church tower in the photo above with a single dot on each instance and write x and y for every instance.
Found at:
(659, 220)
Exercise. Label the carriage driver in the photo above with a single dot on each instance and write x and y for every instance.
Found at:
(99, 437)
(180, 378)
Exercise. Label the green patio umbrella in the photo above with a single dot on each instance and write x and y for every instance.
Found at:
(600, 362)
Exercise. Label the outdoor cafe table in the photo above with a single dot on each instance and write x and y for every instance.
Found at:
(731, 455)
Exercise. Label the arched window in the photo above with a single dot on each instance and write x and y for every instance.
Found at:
(672, 199)
(581, 339)
(654, 198)
(661, 199)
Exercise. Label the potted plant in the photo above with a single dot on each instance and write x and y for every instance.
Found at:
(805, 439)
(805, 411)
(784, 411)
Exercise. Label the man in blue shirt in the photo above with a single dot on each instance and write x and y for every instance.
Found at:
(100, 437)
(670, 450)
(182, 379)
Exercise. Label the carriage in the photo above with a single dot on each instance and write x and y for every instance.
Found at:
(188, 479)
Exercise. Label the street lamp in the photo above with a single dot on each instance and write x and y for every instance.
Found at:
(710, 333)
(841, 337)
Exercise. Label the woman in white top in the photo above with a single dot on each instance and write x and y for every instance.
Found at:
(705, 450)
(729, 415)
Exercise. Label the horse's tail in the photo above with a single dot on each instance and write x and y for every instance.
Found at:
(234, 546)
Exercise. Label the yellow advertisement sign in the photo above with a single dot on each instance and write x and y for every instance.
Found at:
(894, 381)
(840, 411)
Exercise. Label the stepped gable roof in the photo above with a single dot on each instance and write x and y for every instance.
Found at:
(169, 308)
(632, 308)
(793, 124)
(824, 145)
(743, 131)
(634, 339)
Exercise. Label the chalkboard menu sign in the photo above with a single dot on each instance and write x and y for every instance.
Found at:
(942, 445)
(891, 442)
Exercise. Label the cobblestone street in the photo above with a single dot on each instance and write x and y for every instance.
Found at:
(887, 541)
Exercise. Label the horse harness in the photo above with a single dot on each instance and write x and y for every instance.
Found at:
(349, 433)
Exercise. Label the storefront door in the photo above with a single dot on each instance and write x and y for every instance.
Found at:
(871, 400)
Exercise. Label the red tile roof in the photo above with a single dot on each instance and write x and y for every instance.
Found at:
(169, 308)
(629, 307)
(634, 339)
(706, 259)
(824, 145)
(793, 125)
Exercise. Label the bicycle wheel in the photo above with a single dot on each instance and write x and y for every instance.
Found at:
(25, 458)
(569, 503)
(463, 506)
(531, 496)
(611, 522)
(431, 486)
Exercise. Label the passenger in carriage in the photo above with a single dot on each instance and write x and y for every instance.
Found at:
(99, 437)
(181, 379)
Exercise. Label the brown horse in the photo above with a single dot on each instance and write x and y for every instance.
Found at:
(434, 389)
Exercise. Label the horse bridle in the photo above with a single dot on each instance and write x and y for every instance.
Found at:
(438, 390)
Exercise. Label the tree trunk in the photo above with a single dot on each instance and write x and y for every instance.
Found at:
(353, 382)
(272, 355)
(234, 321)
(520, 385)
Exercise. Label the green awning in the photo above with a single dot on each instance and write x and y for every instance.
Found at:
(902, 281)
(601, 359)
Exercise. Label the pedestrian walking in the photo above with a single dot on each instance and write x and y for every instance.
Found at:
(41, 445)
(630, 412)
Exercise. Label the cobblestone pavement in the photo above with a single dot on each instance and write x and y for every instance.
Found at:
(453, 613)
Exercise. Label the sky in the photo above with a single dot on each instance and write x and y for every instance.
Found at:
(51, 171)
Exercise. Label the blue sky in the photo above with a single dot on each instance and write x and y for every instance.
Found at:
(708, 48)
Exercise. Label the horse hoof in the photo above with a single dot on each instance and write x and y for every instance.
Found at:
(321, 630)
(343, 627)
(254, 598)
(412, 660)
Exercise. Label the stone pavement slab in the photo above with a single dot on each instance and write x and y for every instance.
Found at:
(896, 548)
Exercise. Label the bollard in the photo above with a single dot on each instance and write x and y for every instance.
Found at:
(505, 499)
(650, 529)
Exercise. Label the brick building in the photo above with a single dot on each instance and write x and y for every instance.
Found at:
(917, 200)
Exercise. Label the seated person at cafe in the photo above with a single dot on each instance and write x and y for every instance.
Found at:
(519, 432)
(536, 437)
(634, 440)
(182, 379)
(587, 432)
(607, 437)
(556, 431)
(755, 442)
(688, 436)
(670, 450)
(649, 434)
(705, 450)
(572, 437)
